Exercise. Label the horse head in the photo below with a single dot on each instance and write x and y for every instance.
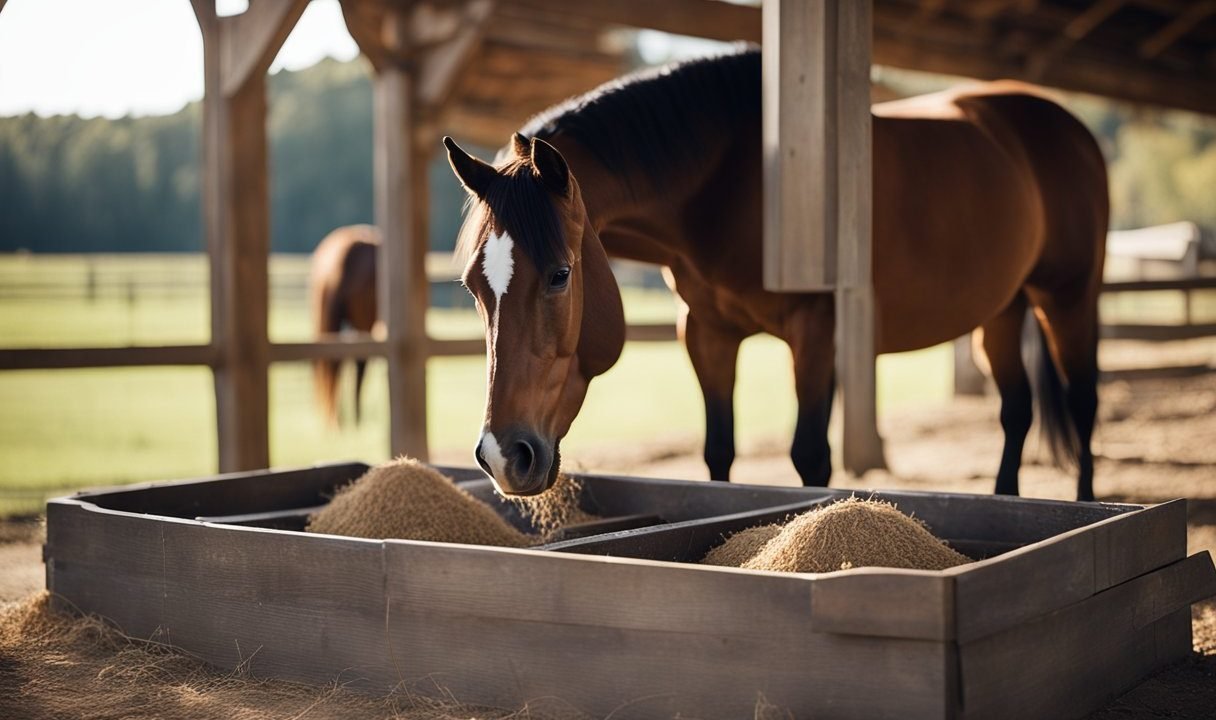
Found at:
(550, 305)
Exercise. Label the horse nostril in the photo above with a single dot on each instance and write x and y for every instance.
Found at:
(524, 458)
(480, 457)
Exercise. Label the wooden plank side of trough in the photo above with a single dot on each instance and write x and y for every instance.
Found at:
(1139, 543)
(885, 602)
(290, 605)
(108, 564)
(229, 494)
(1071, 661)
(641, 639)
(998, 593)
(302, 607)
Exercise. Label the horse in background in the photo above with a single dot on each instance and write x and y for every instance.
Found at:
(342, 294)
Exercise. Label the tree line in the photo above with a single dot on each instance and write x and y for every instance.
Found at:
(71, 184)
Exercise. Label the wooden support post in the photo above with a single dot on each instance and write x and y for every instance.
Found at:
(237, 51)
(816, 138)
(401, 204)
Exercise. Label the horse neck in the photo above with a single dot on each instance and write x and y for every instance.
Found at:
(632, 224)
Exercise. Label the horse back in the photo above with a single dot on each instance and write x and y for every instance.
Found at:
(978, 192)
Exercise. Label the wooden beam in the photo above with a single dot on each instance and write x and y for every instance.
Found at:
(137, 356)
(362, 345)
(817, 175)
(711, 19)
(236, 217)
(1120, 78)
(401, 202)
(441, 66)
(250, 41)
(1194, 14)
(799, 145)
(1076, 30)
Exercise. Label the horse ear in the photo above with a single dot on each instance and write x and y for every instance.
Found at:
(474, 174)
(521, 146)
(550, 166)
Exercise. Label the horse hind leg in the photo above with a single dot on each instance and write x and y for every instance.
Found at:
(1003, 346)
(1070, 326)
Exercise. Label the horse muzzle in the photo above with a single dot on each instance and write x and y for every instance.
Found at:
(519, 462)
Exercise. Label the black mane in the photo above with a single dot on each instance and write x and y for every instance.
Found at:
(657, 121)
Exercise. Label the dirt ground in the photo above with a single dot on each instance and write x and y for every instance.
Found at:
(1156, 442)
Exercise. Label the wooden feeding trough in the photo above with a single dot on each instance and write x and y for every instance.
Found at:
(1072, 605)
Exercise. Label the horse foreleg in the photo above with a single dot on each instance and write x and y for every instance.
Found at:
(714, 351)
(810, 337)
(1003, 346)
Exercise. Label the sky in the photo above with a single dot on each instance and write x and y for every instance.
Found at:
(130, 57)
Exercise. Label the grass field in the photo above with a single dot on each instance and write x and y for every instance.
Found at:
(61, 430)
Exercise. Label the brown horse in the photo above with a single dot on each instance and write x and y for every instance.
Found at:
(987, 201)
(342, 294)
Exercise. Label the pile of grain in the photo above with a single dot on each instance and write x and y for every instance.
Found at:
(555, 508)
(846, 534)
(407, 500)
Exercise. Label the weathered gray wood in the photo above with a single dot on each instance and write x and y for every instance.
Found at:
(641, 639)
(996, 594)
(685, 542)
(799, 141)
(1107, 642)
(289, 605)
(400, 189)
(638, 636)
(885, 602)
(234, 493)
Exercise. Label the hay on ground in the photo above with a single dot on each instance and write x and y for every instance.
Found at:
(404, 499)
(847, 534)
(55, 666)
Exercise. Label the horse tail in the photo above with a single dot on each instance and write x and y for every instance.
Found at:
(328, 315)
(1051, 395)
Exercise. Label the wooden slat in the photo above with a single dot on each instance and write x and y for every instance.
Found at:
(1108, 642)
(134, 356)
(332, 349)
(641, 639)
(1196, 283)
(230, 596)
(1158, 333)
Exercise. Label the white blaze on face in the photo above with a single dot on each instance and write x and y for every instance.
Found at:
(498, 266)
(492, 455)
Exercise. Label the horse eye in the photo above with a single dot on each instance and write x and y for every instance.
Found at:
(559, 279)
